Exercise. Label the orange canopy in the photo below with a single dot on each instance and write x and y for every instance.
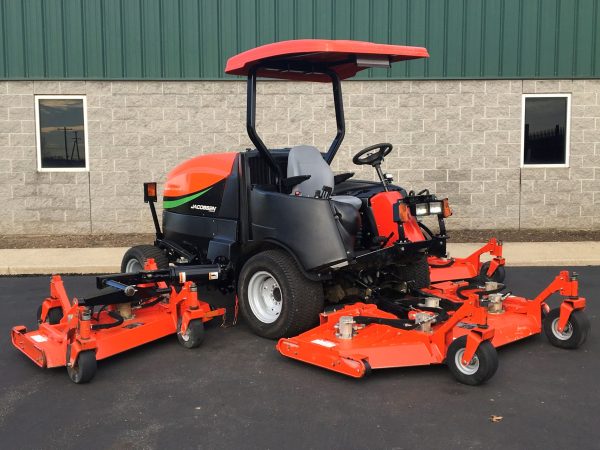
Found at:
(292, 60)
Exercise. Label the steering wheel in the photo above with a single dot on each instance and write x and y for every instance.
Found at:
(372, 155)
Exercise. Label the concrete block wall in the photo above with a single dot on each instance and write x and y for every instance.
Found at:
(460, 139)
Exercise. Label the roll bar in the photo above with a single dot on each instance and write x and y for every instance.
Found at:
(251, 110)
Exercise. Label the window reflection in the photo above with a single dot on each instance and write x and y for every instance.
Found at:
(62, 133)
(545, 130)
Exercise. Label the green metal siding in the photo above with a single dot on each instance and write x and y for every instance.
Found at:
(192, 39)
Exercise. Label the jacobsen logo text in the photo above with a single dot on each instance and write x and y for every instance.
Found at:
(211, 209)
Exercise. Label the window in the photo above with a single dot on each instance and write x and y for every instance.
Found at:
(545, 133)
(61, 133)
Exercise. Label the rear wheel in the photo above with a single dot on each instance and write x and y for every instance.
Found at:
(276, 299)
(84, 368)
(136, 257)
(573, 335)
(480, 369)
(417, 271)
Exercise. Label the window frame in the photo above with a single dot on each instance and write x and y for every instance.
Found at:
(38, 137)
(567, 130)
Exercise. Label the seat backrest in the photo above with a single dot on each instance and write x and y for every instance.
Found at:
(307, 160)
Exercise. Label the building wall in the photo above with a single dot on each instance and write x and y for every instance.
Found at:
(460, 139)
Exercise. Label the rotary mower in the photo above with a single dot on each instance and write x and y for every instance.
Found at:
(289, 234)
(457, 323)
(291, 239)
(130, 310)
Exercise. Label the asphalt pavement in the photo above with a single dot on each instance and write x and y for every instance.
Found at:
(236, 391)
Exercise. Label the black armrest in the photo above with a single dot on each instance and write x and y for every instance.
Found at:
(288, 183)
(341, 177)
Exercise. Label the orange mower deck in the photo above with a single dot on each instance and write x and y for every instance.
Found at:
(360, 337)
(72, 334)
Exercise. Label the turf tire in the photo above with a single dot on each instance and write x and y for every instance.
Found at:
(302, 299)
(53, 317)
(417, 271)
(498, 276)
(84, 368)
(578, 323)
(193, 336)
(487, 360)
(141, 254)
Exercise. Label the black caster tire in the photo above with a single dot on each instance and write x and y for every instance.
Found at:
(193, 336)
(498, 276)
(481, 368)
(84, 368)
(136, 257)
(574, 334)
(53, 317)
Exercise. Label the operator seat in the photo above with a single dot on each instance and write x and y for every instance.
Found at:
(307, 160)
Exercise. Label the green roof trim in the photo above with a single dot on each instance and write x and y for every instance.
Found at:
(192, 39)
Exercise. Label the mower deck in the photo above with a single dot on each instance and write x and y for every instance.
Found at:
(379, 339)
(75, 335)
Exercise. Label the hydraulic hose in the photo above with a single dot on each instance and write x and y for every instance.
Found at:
(103, 326)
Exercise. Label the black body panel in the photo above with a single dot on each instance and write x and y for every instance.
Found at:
(305, 225)
(207, 237)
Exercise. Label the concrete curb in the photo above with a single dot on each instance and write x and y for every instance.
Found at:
(34, 261)
(43, 261)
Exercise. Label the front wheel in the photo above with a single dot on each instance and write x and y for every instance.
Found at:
(480, 369)
(417, 272)
(276, 299)
(573, 335)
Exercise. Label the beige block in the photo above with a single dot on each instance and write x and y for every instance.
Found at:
(497, 86)
(447, 87)
(472, 86)
(423, 87)
(547, 86)
(20, 87)
(398, 87)
(73, 87)
(46, 87)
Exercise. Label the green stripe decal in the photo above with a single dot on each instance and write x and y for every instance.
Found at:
(167, 204)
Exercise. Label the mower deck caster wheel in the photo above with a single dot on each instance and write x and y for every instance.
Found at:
(498, 276)
(480, 369)
(84, 368)
(193, 336)
(575, 332)
(53, 317)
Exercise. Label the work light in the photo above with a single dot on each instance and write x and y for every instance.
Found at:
(421, 209)
(435, 208)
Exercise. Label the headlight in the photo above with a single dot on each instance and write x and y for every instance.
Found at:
(435, 208)
(421, 209)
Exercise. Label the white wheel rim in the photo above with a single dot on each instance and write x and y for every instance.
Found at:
(185, 336)
(566, 334)
(467, 369)
(264, 297)
(133, 266)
